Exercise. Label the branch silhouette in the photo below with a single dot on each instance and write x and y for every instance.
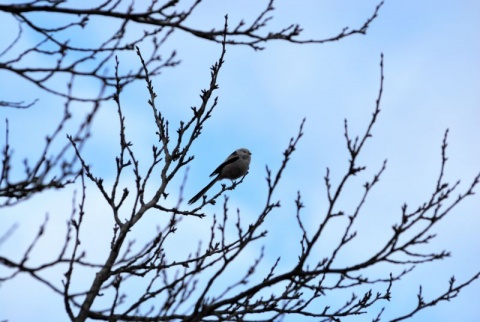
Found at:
(198, 285)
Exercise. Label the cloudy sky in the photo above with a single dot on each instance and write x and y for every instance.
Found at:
(432, 82)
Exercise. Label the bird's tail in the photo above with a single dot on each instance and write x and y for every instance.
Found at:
(202, 192)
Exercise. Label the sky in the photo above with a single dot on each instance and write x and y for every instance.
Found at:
(432, 74)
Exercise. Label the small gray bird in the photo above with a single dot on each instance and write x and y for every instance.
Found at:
(235, 166)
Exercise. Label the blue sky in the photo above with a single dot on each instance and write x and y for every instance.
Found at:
(432, 78)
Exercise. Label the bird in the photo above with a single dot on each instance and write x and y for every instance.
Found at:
(235, 166)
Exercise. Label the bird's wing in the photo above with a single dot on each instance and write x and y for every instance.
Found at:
(232, 158)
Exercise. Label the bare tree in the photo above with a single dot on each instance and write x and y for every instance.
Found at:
(189, 288)
(58, 58)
